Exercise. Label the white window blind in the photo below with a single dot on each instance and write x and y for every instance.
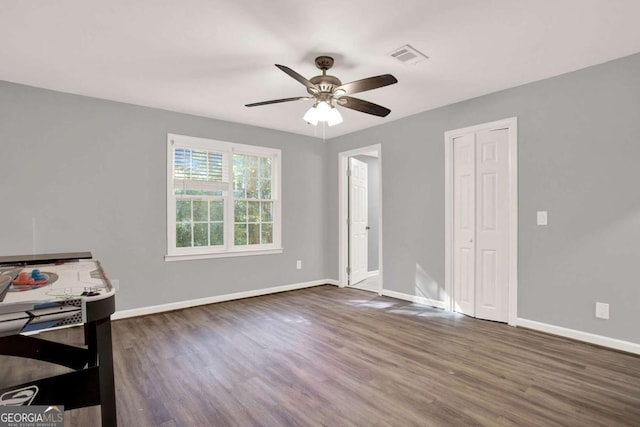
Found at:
(200, 172)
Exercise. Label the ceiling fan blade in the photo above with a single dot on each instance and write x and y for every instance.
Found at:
(312, 88)
(276, 101)
(363, 106)
(365, 84)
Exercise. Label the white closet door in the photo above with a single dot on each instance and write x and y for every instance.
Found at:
(464, 224)
(358, 221)
(492, 225)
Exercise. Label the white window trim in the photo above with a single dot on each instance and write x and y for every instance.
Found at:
(228, 249)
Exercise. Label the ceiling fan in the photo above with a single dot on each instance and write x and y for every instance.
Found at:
(328, 91)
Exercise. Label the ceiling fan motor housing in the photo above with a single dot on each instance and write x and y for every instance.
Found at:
(325, 83)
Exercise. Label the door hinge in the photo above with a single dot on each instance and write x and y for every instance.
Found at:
(348, 270)
(348, 172)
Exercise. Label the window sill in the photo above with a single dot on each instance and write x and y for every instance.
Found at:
(189, 257)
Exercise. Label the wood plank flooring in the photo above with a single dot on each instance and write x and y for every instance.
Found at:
(327, 356)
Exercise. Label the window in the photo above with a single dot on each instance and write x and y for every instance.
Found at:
(223, 199)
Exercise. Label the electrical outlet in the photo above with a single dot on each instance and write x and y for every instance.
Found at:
(602, 310)
(542, 218)
(299, 264)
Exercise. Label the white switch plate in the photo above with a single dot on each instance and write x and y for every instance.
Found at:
(542, 217)
(602, 310)
(299, 264)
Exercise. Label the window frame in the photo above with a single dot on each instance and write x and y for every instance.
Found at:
(229, 249)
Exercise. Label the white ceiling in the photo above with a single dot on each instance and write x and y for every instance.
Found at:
(210, 57)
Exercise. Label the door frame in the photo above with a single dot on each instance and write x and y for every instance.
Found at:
(343, 212)
(511, 124)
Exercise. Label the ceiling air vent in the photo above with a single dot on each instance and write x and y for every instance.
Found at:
(408, 55)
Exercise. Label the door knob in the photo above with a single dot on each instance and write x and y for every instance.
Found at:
(367, 228)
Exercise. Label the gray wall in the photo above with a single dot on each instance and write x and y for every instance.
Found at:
(373, 201)
(579, 148)
(92, 173)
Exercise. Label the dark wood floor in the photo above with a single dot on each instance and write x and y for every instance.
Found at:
(326, 356)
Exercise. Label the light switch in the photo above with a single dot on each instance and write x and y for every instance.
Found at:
(542, 217)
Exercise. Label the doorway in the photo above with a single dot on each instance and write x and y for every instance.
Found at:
(481, 220)
(360, 218)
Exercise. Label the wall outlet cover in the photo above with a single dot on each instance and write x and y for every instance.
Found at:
(602, 310)
(542, 218)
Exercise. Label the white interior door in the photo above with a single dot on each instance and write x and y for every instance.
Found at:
(464, 224)
(492, 225)
(358, 221)
(481, 224)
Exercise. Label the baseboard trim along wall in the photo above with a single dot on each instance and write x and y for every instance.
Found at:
(143, 311)
(413, 298)
(603, 341)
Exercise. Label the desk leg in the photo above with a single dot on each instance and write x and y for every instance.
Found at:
(105, 372)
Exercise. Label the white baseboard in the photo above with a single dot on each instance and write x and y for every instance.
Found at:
(614, 343)
(143, 311)
(413, 298)
(331, 282)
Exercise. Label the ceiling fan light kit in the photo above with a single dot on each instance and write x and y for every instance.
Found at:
(321, 111)
(325, 89)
